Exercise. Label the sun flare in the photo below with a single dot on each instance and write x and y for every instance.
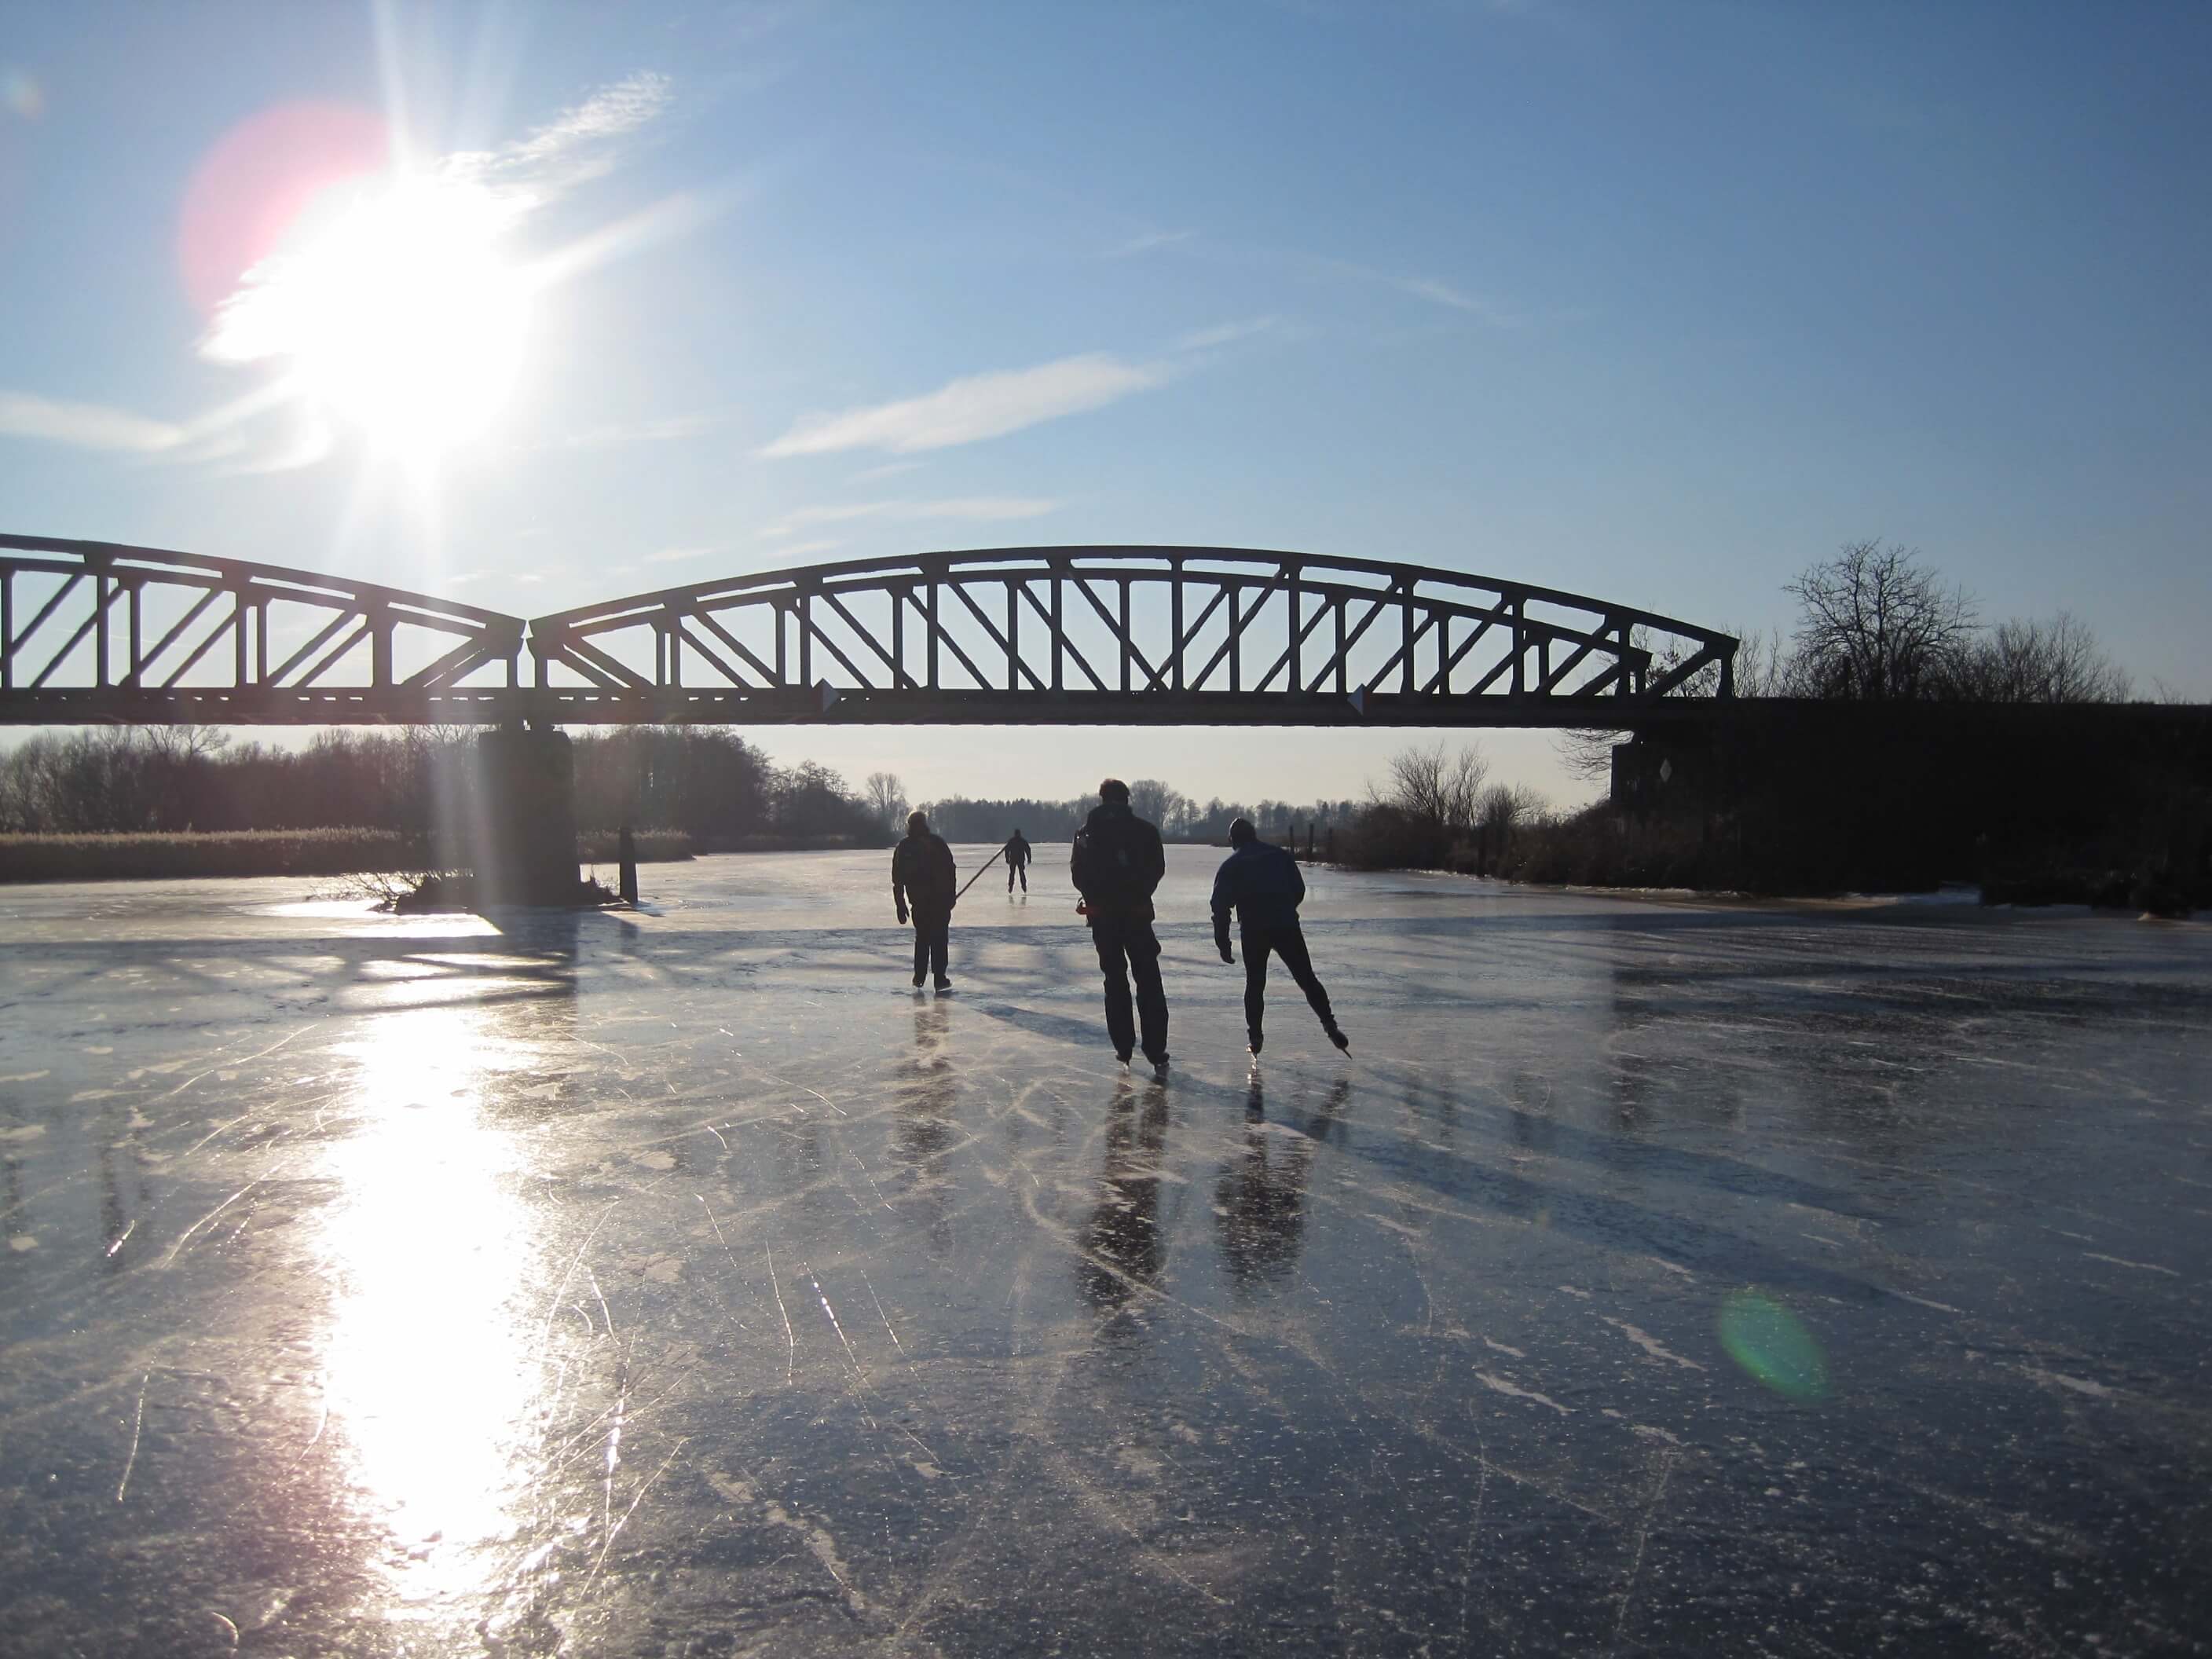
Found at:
(395, 310)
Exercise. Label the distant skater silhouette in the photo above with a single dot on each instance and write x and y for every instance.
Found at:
(1017, 861)
(1262, 885)
(1116, 864)
(924, 880)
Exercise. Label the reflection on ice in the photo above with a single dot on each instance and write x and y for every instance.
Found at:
(679, 1283)
(430, 1370)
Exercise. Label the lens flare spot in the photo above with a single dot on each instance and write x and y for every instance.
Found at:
(256, 180)
(22, 95)
(1773, 1346)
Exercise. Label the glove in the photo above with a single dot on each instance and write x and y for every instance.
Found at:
(901, 909)
(1227, 956)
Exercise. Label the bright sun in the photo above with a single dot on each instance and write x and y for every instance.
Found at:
(394, 310)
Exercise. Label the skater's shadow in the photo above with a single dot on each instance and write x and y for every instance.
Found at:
(1122, 1250)
(1259, 1198)
(1059, 1027)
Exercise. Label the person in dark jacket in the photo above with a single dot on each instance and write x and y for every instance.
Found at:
(1117, 863)
(1262, 885)
(1017, 861)
(924, 880)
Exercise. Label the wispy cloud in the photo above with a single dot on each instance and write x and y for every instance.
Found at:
(968, 410)
(798, 549)
(678, 555)
(888, 469)
(1206, 339)
(1151, 241)
(666, 430)
(86, 426)
(973, 509)
(1443, 293)
(571, 147)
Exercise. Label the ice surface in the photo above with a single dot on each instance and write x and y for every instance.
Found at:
(1650, 1277)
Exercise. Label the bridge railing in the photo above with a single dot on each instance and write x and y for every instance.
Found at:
(103, 632)
(1119, 634)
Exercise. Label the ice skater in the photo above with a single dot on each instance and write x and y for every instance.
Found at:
(924, 881)
(1018, 861)
(1262, 884)
(1116, 864)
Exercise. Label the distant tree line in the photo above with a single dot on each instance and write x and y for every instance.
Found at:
(709, 783)
(1180, 818)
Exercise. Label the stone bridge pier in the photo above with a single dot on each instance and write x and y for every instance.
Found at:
(518, 830)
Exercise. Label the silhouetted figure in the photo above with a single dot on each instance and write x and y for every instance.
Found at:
(924, 880)
(1017, 861)
(1117, 863)
(1263, 884)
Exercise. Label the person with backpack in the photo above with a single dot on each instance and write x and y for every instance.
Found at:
(1116, 864)
(1017, 861)
(1262, 884)
(923, 878)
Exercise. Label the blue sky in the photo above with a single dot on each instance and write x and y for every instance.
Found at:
(1660, 303)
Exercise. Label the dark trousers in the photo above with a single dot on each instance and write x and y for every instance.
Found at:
(1021, 870)
(1289, 944)
(1128, 949)
(929, 941)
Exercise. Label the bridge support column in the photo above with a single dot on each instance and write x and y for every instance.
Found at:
(522, 824)
(1673, 773)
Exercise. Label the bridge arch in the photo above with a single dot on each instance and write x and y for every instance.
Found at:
(99, 632)
(1120, 636)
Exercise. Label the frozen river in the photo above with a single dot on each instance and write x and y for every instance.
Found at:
(1649, 1279)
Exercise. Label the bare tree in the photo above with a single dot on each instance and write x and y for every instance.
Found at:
(886, 799)
(1875, 624)
(1505, 806)
(1162, 806)
(182, 746)
(1437, 785)
(2054, 661)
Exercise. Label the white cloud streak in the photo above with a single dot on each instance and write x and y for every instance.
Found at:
(86, 426)
(559, 154)
(888, 469)
(1206, 339)
(972, 508)
(1151, 241)
(976, 407)
(667, 429)
(1443, 293)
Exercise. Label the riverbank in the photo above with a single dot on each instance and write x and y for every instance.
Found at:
(244, 853)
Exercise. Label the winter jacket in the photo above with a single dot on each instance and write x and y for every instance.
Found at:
(921, 869)
(1117, 862)
(1263, 884)
(1017, 850)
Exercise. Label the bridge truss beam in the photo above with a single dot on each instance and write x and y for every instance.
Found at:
(1123, 635)
(100, 632)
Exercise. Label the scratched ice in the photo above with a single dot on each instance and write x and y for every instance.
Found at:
(1650, 1277)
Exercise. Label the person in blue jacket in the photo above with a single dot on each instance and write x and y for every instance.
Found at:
(1262, 884)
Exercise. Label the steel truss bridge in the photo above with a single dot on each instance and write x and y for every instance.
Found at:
(98, 633)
